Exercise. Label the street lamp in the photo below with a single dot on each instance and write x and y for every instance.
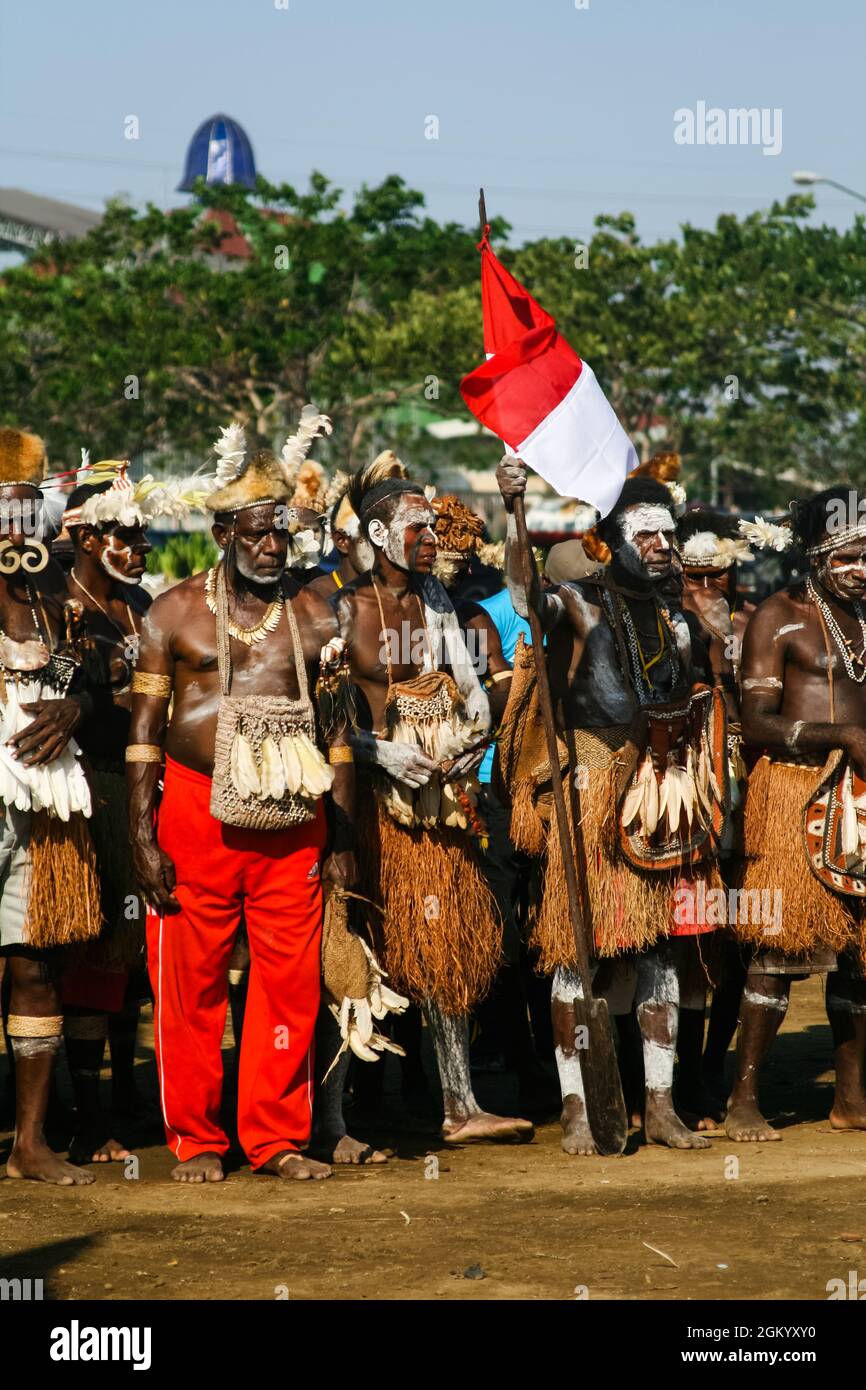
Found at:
(805, 176)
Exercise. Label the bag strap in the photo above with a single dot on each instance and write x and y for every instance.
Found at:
(298, 650)
(224, 655)
(224, 650)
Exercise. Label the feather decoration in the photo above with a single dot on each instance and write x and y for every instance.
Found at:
(336, 488)
(231, 451)
(297, 446)
(850, 828)
(766, 535)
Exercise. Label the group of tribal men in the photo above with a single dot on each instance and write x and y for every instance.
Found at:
(329, 785)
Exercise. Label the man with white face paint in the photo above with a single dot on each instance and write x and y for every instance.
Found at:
(637, 728)
(804, 710)
(106, 518)
(423, 719)
(355, 551)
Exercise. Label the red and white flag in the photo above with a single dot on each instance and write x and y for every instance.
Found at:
(536, 394)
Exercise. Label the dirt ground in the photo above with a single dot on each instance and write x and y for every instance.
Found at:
(738, 1221)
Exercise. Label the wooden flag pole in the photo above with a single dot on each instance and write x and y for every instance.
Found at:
(605, 1105)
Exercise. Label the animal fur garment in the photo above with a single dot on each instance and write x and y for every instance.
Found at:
(22, 457)
(243, 480)
(439, 935)
(353, 987)
(775, 859)
(63, 902)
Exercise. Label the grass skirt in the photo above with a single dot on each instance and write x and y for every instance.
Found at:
(629, 909)
(775, 859)
(63, 903)
(439, 935)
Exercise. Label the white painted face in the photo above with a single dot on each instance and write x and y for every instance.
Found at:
(648, 537)
(409, 535)
(120, 561)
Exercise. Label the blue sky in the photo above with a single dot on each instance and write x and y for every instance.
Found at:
(560, 112)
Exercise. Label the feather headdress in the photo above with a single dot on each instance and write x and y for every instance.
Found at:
(126, 503)
(243, 480)
(767, 535)
(384, 465)
(709, 539)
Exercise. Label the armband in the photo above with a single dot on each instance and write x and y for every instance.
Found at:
(145, 683)
(144, 753)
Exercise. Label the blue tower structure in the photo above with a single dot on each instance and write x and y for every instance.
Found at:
(220, 152)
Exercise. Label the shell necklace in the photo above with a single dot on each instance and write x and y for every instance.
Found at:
(248, 635)
(846, 649)
(131, 639)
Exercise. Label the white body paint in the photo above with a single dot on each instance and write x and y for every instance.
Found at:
(762, 683)
(845, 1006)
(113, 559)
(789, 627)
(764, 1001)
(649, 520)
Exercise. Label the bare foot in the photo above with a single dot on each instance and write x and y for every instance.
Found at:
(848, 1116)
(576, 1134)
(662, 1125)
(42, 1165)
(347, 1150)
(745, 1123)
(207, 1167)
(472, 1128)
(89, 1147)
(291, 1164)
(699, 1108)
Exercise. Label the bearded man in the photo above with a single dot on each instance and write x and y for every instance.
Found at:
(49, 893)
(241, 827)
(804, 712)
(644, 741)
(424, 720)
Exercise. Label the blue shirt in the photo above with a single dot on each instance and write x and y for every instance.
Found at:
(509, 625)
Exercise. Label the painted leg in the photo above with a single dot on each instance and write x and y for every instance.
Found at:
(765, 1003)
(34, 1026)
(846, 1010)
(576, 1134)
(329, 1139)
(465, 1121)
(657, 998)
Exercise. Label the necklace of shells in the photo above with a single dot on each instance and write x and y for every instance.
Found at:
(248, 635)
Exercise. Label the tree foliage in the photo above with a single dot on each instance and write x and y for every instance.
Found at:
(744, 345)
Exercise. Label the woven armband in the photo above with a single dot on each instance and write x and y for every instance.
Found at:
(144, 683)
(144, 753)
(342, 754)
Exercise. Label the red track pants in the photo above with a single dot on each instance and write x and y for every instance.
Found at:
(273, 877)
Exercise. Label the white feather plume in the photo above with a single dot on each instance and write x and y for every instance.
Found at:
(231, 451)
(766, 535)
(297, 446)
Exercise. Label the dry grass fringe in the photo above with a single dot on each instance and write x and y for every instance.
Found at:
(63, 903)
(775, 858)
(451, 958)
